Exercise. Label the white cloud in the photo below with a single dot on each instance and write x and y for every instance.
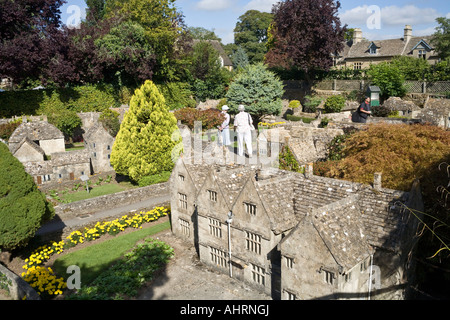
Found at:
(409, 14)
(448, 15)
(389, 16)
(214, 5)
(260, 5)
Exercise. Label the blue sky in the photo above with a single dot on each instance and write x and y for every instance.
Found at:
(378, 19)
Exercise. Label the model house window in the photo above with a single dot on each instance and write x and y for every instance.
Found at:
(328, 276)
(215, 228)
(250, 208)
(109, 156)
(212, 195)
(363, 266)
(46, 177)
(373, 49)
(95, 154)
(422, 54)
(108, 148)
(184, 226)
(289, 262)
(258, 274)
(253, 242)
(289, 295)
(181, 177)
(182, 200)
(218, 257)
(357, 66)
(348, 277)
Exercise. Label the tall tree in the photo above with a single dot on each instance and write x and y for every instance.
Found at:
(126, 55)
(163, 26)
(27, 34)
(251, 34)
(144, 144)
(209, 79)
(23, 208)
(441, 38)
(304, 35)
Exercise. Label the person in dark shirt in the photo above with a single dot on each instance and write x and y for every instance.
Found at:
(363, 112)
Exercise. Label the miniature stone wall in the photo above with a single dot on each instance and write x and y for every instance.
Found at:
(110, 201)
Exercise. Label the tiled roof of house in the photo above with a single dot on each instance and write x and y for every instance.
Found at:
(340, 227)
(16, 147)
(36, 130)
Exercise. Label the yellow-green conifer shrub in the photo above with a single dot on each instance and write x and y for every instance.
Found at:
(144, 144)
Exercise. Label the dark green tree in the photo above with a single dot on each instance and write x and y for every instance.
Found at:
(441, 38)
(258, 89)
(208, 77)
(251, 34)
(23, 208)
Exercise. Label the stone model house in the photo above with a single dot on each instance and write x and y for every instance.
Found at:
(307, 144)
(40, 147)
(99, 144)
(42, 133)
(292, 235)
(360, 53)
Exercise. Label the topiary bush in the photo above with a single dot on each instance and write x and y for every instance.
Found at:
(23, 208)
(334, 104)
(144, 144)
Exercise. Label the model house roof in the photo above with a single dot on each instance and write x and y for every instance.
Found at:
(36, 131)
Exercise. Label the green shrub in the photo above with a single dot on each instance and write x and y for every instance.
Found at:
(7, 129)
(23, 207)
(334, 104)
(291, 117)
(294, 104)
(177, 94)
(36, 102)
(154, 179)
(311, 103)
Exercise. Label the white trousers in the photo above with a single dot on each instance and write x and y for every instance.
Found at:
(244, 137)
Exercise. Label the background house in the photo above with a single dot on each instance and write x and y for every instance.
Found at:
(360, 53)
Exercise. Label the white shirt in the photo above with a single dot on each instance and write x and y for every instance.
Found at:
(242, 122)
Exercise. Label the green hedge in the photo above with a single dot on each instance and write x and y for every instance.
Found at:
(36, 102)
(88, 98)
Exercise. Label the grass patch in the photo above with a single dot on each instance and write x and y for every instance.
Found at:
(96, 191)
(97, 258)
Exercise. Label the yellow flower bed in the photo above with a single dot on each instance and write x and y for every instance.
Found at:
(45, 281)
(270, 125)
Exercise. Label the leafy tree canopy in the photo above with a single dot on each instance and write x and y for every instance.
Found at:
(250, 33)
(304, 35)
(441, 38)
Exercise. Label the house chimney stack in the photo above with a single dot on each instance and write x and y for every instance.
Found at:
(377, 180)
(357, 35)
(408, 33)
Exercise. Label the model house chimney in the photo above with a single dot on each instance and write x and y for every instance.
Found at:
(408, 33)
(357, 35)
(377, 180)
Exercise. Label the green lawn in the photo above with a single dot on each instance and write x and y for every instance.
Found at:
(93, 260)
(95, 191)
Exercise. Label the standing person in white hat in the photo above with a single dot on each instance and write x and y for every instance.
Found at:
(243, 126)
(224, 128)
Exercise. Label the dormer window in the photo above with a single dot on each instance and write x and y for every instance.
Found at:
(373, 48)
